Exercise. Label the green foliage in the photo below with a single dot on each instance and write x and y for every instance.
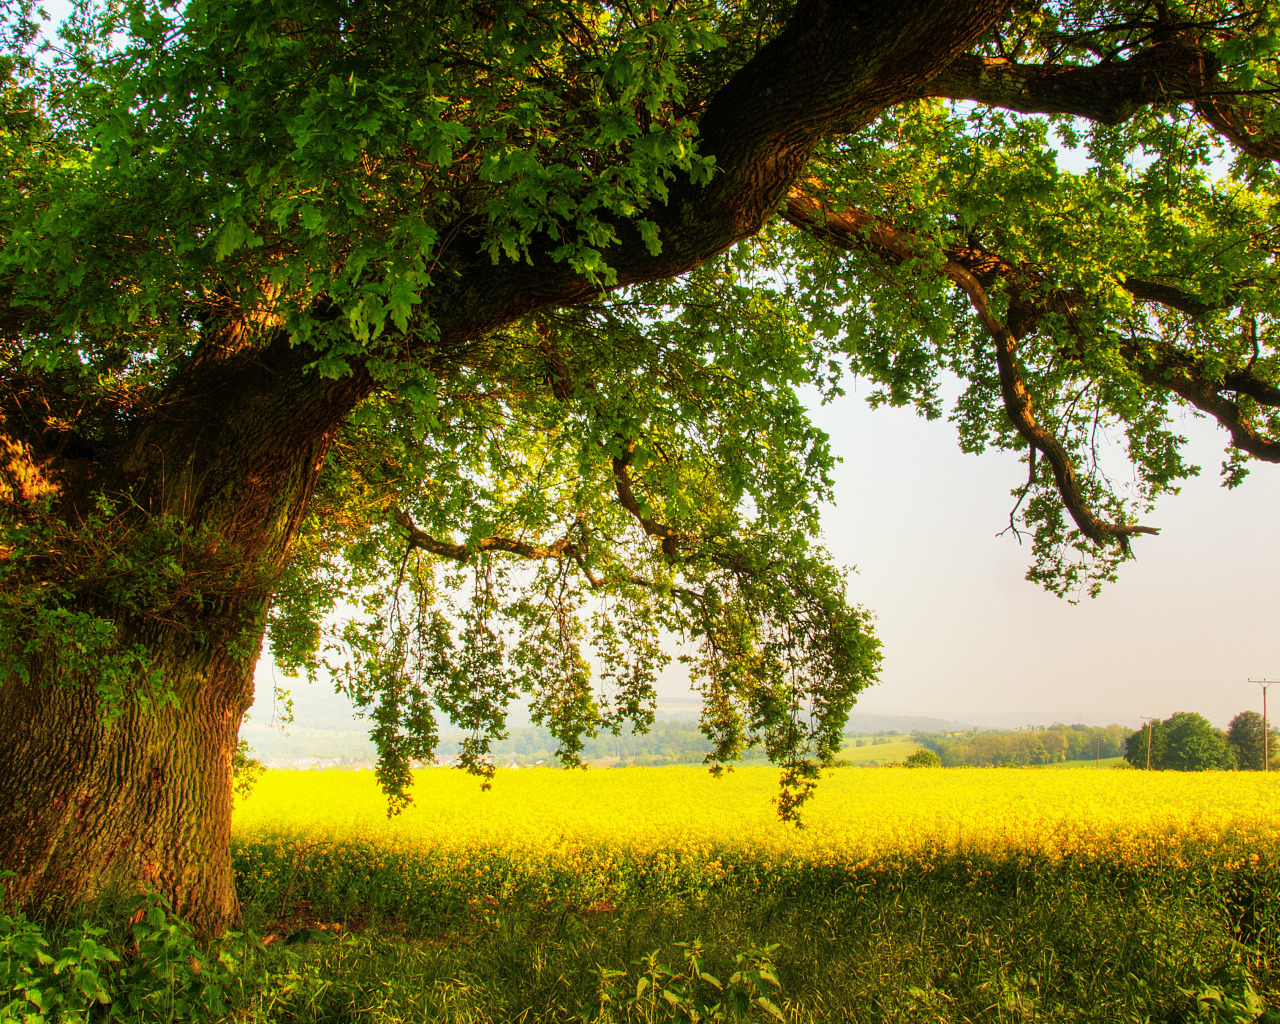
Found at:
(923, 758)
(1185, 742)
(689, 993)
(1251, 749)
(76, 601)
(1230, 997)
(228, 135)
(79, 971)
(1056, 744)
(1193, 745)
(712, 437)
(245, 769)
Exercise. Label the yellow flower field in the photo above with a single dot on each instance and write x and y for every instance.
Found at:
(607, 833)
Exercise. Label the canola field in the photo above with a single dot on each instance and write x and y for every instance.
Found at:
(612, 837)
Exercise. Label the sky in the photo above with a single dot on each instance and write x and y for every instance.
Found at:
(1190, 620)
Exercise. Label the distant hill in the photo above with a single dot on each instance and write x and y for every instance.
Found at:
(868, 724)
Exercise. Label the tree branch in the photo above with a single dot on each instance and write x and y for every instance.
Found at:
(1171, 71)
(1167, 295)
(1018, 405)
(855, 229)
(622, 482)
(560, 549)
(1183, 374)
(834, 65)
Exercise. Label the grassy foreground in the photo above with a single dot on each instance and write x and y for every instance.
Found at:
(646, 895)
(665, 894)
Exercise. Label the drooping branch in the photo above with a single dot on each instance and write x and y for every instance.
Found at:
(1169, 368)
(856, 229)
(622, 484)
(1018, 405)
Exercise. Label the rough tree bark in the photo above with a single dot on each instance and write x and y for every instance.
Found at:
(92, 801)
(235, 446)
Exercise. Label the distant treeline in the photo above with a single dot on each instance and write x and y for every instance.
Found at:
(667, 742)
(1046, 745)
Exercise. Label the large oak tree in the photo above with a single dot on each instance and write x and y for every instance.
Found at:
(487, 323)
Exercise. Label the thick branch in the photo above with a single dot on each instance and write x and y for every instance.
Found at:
(836, 64)
(1108, 93)
(1167, 295)
(1173, 71)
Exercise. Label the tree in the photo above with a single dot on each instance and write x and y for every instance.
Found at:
(923, 758)
(486, 323)
(1193, 745)
(1145, 748)
(1183, 742)
(1244, 734)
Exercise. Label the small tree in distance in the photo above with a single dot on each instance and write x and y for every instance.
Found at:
(924, 758)
(1145, 748)
(1184, 742)
(1245, 736)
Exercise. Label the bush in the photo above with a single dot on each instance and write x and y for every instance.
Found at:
(64, 972)
(924, 758)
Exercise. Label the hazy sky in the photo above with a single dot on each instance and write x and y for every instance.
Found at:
(1189, 621)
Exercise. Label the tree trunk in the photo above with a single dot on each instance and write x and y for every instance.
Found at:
(103, 793)
(92, 805)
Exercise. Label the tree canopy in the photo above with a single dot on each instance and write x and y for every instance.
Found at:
(1183, 742)
(491, 325)
(1256, 745)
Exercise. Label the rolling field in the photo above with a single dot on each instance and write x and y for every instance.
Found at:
(929, 895)
(899, 749)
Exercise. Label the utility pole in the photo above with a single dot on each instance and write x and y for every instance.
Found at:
(1150, 720)
(1266, 752)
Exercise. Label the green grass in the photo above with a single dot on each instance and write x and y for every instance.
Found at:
(1106, 762)
(899, 749)
(941, 940)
